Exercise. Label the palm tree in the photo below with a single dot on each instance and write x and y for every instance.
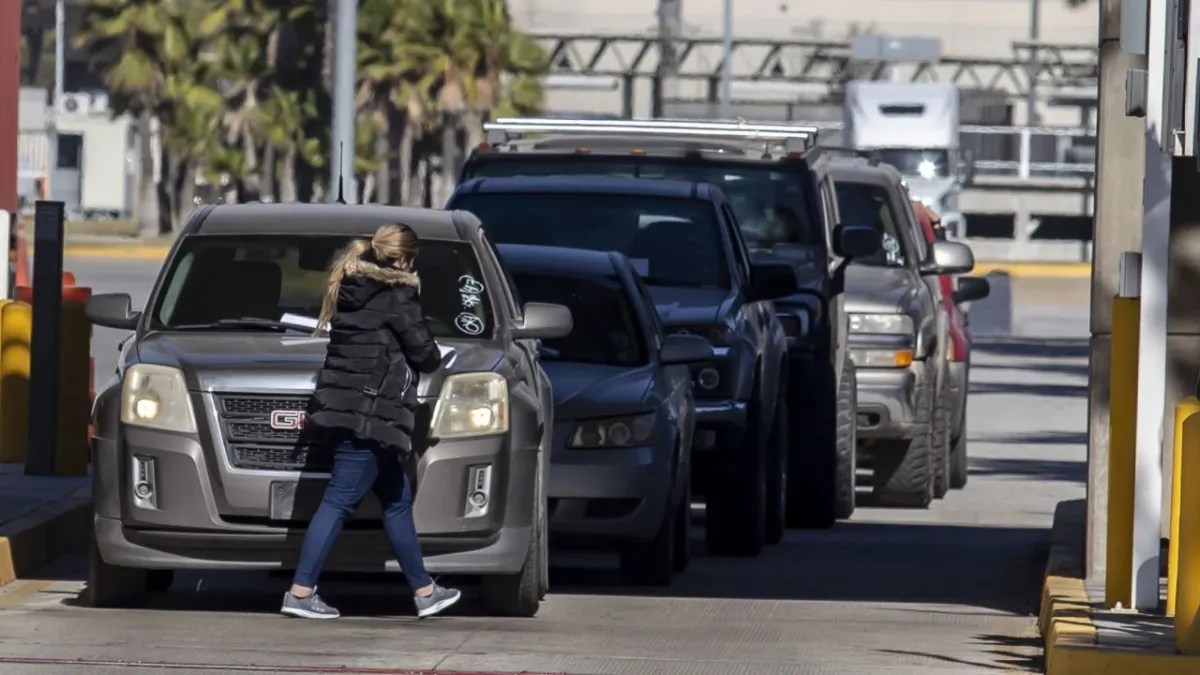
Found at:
(136, 43)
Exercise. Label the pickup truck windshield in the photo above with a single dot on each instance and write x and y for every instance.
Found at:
(672, 242)
(606, 329)
(769, 201)
(864, 204)
(231, 278)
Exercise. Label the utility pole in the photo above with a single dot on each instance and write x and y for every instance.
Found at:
(60, 69)
(10, 86)
(727, 62)
(1035, 36)
(670, 20)
(345, 75)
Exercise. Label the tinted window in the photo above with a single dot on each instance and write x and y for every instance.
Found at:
(672, 242)
(769, 201)
(606, 326)
(863, 204)
(215, 278)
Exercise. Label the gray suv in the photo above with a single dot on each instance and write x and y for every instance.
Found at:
(200, 461)
(898, 335)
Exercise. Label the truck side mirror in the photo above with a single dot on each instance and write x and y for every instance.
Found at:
(966, 167)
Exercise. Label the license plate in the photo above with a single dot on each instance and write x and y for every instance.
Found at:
(283, 500)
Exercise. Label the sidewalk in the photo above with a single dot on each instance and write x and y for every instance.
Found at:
(1081, 636)
(41, 518)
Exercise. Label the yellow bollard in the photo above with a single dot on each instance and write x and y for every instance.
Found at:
(1186, 408)
(72, 454)
(16, 326)
(1122, 452)
(1187, 606)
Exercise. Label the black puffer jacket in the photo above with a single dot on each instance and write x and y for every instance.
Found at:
(378, 342)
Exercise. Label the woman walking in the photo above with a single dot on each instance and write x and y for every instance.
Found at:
(365, 403)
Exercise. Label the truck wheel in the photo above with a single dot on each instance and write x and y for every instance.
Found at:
(112, 586)
(777, 474)
(941, 451)
(904, 470)
(652, 563)
(847, 453)
(683, 527)
(822, 465)
(958, 461)
(735, 514)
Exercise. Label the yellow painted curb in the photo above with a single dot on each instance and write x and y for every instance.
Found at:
(28, 543)
(1035, 270)
(136, 252)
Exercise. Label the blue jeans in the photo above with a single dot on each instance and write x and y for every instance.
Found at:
(357, 468)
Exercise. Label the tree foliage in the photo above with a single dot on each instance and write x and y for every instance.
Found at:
(241, 92)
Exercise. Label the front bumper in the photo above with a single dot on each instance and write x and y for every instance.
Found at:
(208, 514)
(618, 495)
(887, 402)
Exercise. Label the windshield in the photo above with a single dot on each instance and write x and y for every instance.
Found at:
(863, 204)
(672, 242)
(768, 200)
(922, 163)
(606, 329)
(220, 278)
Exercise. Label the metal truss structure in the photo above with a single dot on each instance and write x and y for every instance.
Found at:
(1050, 67)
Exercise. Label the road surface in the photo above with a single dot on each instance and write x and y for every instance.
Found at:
(948, 590)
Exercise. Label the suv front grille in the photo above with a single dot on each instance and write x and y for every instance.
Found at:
(252, 443)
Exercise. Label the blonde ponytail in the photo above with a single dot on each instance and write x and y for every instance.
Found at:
(354, 252)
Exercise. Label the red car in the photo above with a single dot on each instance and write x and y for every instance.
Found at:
(952, 296)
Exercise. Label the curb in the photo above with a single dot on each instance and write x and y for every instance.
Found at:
(1065, 618)
(1034, 270)
(132, 251)
(50, 532)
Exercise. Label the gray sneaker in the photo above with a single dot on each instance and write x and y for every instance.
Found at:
(434, 603)
(312, 607)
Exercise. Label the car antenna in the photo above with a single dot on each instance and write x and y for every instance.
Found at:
(341, 198)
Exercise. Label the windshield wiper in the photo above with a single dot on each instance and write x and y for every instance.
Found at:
(245, 322)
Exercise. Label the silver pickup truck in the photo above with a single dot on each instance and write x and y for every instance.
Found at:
(898, 335)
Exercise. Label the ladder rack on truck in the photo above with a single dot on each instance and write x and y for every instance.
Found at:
(793, 137)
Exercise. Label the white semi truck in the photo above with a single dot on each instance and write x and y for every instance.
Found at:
(914, 127)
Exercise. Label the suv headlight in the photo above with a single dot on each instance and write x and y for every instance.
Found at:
(156, 397)
(876, 324)
(612, 432)
(471, 404)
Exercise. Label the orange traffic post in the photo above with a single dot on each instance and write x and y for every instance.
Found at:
(1122, 452)
(16, 328)
(74, 416)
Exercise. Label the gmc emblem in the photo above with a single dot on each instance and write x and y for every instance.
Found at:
(287, 420)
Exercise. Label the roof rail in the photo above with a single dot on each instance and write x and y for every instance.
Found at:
(792, 136)
(873, 157)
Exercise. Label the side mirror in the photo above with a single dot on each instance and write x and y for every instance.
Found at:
(856, 241)
(685, 349)
(971, 289)
(112, 310)
(954, 223)
(771, 281)
(949, 257)
(544, 322)
(966, 167)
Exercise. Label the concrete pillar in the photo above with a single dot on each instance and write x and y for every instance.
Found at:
(1120, 160)
(10, 86)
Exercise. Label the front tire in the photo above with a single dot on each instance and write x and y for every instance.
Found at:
(777, 474)
(683, 527)
(941, 451)
(112, 586)
(652, 563)
(958, 461)
(904, 469)
(735, 518)
(845, 494)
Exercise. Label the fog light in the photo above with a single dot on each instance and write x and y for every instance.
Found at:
(479, 490)
(708, 378)
(144, 481)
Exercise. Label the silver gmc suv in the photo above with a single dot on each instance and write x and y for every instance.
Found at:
(199, 459)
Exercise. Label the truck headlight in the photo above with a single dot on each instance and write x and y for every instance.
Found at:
(877, 324)
(156, 397)
(471, 404)
(612, 432)
(881, 358)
